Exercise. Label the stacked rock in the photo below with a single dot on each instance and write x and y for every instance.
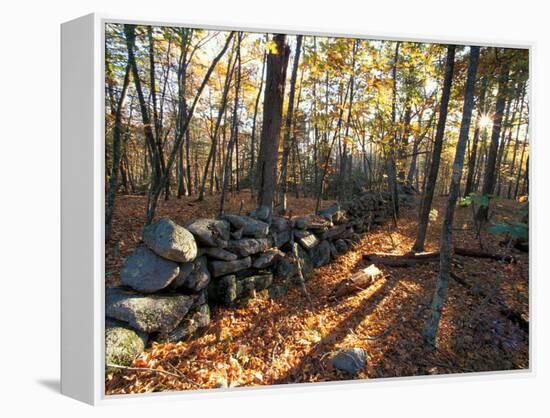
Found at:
(170, 281)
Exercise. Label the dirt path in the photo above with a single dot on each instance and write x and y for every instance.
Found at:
(268, 341)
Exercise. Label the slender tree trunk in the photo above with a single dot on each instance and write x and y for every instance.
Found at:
(489, 177)
(277, 63)
(214, 136)
(252, 171)
(391, 167)
(117, 133)
(228, 163)
(516, 143)
(446, 245)
(288, 133)
(436, 155)
(155, 191)
(469, 188)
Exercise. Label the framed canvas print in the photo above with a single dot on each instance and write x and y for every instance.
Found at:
(257, 207)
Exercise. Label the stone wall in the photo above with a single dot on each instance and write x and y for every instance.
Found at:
(170, 281)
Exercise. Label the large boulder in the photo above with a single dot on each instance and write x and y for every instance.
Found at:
(170, 240)
(122, 344)
(320, 255)
(351, 360)
(221, 268)
(250, 227)
(146, 272)
(151, 313)
(209, 232)
(248, 246)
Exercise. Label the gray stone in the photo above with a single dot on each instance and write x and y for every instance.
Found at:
(279, 224)
(320, 255)
(286, 268)
(305, 261)
(220, 268)
(329, 212)
(189, 327)
(248, 246)
(220, 254)
(333, 250)
(238, 234)
(351, 360)
(334, 233)
(313, 222)
(199, 277)
(266, 259)
(122, 345)
(185, 270)
(170, 240)
(281, 238)
(251, 227)
(153, 313)
(209, 232)
(146, 272)
(257, 282)
(223, 290)
(261, 213)
(277, 290)
(341, 246)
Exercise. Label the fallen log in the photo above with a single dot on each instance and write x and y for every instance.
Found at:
(357, 282)
(411, 259)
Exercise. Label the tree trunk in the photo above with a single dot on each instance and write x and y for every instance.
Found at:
(436, 154)
(440, 294)
(156, 188)
(117, 133)
(489, 177)
(252, 170)
(391, 168)
(289, 126)
(277, 63)
(469, 188)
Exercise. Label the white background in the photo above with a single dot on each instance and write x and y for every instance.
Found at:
(29, 205)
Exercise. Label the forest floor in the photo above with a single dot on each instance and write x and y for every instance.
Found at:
(267, 342)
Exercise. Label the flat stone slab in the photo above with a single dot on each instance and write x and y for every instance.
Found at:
(170, 240)
(248, 246)
(266, 259)
(251, 227)
(146, 272)
(221, 268)
(220, 254)
(147, 313)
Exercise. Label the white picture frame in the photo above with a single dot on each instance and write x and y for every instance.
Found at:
(82, 214)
